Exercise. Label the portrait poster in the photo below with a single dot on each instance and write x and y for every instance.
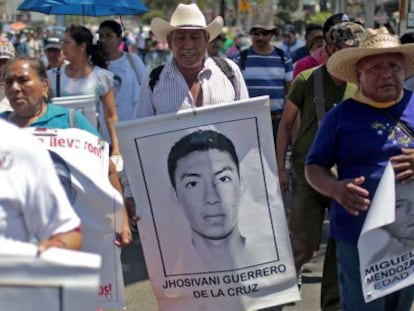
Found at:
(57, 279)
(82, 162)
(212, 221)
(386, 243)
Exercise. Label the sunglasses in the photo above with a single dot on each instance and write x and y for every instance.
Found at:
(258, 32)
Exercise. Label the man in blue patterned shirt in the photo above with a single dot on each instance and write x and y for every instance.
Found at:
(266, 69)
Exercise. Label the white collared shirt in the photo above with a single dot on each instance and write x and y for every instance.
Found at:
(171, 92)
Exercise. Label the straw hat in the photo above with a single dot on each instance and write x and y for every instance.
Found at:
(262, 20)
(186, 16)
(343, 63)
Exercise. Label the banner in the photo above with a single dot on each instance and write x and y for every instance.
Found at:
(82, 162)
(212, 225)
(58, 279)
(386, 243)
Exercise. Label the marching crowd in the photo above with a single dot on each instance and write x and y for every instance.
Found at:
(325, 93)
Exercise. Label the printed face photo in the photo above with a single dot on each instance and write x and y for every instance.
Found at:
(208, 189)
(205, 187)
(403, 226)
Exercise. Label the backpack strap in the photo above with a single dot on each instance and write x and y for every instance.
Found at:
(155, 76)
(73, 123)
(243, 57)
(58, 82)
(280, 53)
(319, 98)
(229, 73)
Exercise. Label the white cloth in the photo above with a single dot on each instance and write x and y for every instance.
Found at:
(171, 93)
(98, 82)
(126, 86)
(33, 203)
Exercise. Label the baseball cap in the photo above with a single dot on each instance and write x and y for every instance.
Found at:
(53, 43)
(7, 50)
(288, 29)
(345, 33)
(333, 20)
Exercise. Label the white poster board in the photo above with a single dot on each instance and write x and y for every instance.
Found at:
(386, 243)
(218, 238)
(58, 279)
(85, 103)
(82, 162)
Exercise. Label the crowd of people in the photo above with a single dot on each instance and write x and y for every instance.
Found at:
(326, 92)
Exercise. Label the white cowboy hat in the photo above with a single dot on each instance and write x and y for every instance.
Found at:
(186, 16)
(343, 63)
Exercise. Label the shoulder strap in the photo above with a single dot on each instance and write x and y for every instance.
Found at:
(400, 124)
(318, 96)
(58, 82)
(243, 57)
(229, 72)
(133, 65)
(155, 76)
(281, 54)
(72, 118)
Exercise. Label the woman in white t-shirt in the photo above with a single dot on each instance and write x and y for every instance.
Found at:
(128, 69)
(84, 75)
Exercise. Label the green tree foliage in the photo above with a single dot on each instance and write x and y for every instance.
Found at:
(288, 5)
(318, 18)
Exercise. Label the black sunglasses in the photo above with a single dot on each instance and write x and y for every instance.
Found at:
(258, 32)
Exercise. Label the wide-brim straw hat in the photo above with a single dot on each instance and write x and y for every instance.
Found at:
(262, 20)
(186, 16)
(343, 64)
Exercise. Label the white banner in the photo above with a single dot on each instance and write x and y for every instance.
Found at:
(58, 279)
(386, 243)
(82, 162)
(212, 225)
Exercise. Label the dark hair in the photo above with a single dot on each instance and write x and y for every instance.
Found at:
(407, 38)
(115, 26)
(81, 35)
(201, 140)
(312, 27)
(36, 64)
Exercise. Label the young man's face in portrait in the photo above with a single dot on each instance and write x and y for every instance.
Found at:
(208, 188)
(403, 227)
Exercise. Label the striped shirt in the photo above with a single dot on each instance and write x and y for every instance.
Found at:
(266, 75)
(171, 92)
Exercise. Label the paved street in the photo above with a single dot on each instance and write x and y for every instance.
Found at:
(141, 298)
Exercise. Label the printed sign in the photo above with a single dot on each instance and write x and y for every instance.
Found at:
(82, 162)
(212, 226)
(386, 243)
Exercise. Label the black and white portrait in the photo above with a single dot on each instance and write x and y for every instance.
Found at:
(209, 199)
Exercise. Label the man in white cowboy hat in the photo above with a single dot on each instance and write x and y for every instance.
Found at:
(360, 136)
(313, 92)
(266, 69)
(191, 78)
